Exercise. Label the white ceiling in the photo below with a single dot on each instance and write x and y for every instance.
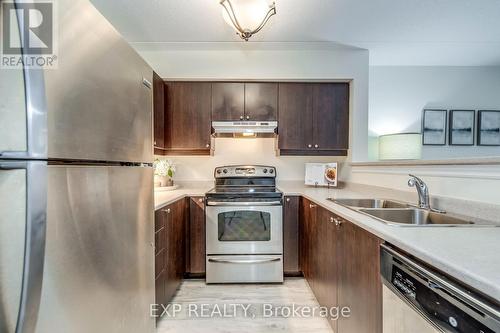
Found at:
(396, 32)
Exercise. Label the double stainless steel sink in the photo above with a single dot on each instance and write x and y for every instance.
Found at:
(404, 214)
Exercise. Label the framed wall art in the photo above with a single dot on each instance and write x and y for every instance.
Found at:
(434, 127)
(488, 128)
(462, 123)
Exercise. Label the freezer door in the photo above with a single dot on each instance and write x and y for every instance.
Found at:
(96, 105)
(99, 258)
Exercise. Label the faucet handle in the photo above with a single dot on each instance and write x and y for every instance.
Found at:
(413, 180)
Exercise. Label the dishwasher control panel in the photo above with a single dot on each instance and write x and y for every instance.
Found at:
(438, 299)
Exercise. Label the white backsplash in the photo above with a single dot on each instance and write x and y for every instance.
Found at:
(244, 151)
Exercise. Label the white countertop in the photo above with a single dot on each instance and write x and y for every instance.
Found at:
(469, 254)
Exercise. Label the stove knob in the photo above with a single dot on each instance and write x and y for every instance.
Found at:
(225, 170)
(271, 171)
(219, 171)
(264, 171)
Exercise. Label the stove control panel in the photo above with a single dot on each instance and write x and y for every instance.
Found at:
(245, 171)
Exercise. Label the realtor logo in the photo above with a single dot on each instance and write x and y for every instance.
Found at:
(28, 34)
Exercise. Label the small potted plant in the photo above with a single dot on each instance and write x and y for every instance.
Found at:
(164, 172)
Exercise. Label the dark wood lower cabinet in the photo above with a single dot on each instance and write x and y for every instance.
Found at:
(160, 256)
(341, 264)
(195, 255)
(291, 265)
(169, 250)
(359, 286)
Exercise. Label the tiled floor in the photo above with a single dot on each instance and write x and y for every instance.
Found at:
(202, 308)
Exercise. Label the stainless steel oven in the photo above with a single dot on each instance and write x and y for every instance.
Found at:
(244, 226)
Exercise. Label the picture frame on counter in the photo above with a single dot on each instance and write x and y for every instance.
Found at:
(434, 126)
(462, 126)
(488, 128)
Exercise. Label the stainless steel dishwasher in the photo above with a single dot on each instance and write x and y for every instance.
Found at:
(419, 300)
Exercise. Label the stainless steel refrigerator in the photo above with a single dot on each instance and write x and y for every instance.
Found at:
(76, 185)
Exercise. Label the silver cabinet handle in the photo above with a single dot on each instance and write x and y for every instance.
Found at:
(168, 210)
(34, 246)
(241, 117)
(248, 261)
(332, 219)
(207, 145)
(200, 200)
(309, 146)
(338, 222)
(287, 199)
(312, 206)
(316, 146)
(248, 117)
(147, 83)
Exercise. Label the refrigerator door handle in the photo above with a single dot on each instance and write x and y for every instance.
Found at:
(36, 112)
(34, 245)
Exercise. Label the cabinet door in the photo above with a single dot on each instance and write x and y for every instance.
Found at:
(179, 221)
(360, 286)
(160, 256)
(159, 111)
(306, 228)
(196, 236)
(291, 235)
(170, 258)
(295, 116)
(261, 101)
(188, 116)
(331, 116)
(228, 101)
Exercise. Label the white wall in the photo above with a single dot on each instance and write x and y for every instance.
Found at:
(240, 61)
(399, 94)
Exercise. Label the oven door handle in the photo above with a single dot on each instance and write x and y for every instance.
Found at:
(245, 203)
(249, 261)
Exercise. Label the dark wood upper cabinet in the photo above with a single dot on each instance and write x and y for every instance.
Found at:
(159, 111)
(228, 101)
(331, 116)
(295, 116)
(313, 118)
(187, 117)
(234, 101)
(261, 101)
(291, 235)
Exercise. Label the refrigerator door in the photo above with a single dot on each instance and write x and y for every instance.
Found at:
(99, 257)
(22, 243)
(96, 105)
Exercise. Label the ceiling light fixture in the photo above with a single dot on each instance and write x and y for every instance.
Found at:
(250, 15)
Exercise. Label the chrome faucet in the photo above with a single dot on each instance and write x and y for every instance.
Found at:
(423, 193)
(422, 190)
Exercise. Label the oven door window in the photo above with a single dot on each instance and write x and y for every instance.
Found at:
(243, 225)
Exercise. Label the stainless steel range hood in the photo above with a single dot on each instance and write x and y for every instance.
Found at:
(250, 129)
